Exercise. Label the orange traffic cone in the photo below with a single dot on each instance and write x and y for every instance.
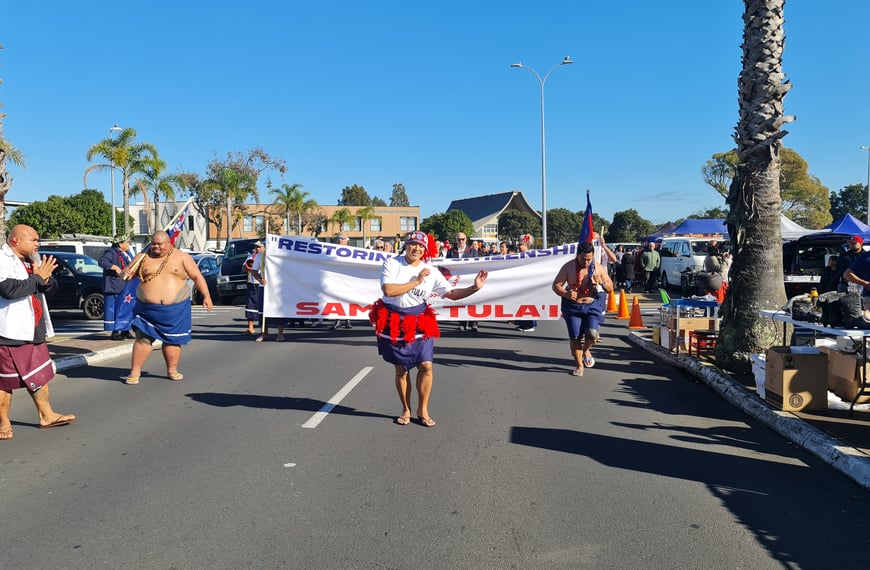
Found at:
(611, 302)
(623, 306)
(636, 321)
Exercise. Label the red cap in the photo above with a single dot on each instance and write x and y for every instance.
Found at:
(858, 239)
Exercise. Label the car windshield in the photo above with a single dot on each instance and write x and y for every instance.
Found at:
(85, 264)
(699, 247)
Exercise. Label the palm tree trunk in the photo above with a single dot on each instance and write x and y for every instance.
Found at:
(756, 279)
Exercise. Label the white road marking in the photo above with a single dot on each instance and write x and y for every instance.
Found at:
(320, 415)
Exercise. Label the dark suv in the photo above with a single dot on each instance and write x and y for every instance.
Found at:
(232, 279)
(804, 259)
(80, 284)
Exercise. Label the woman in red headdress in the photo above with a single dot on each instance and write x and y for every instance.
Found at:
(405, 323)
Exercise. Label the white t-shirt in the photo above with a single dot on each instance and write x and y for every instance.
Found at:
(397, 271)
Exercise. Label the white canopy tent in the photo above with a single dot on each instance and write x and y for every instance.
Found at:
(791, 230)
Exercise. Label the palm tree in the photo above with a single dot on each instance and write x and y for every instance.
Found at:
(130, 158)
(340, 218)
(756, 277)
(365, 214)
(158, 184)
(292, 200)
(7, 151)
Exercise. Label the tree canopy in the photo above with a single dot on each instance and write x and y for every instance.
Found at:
(851, 199)
(804, 198)
(354, 196)
(448, 224)
(563, 226)
(512, 224)
(629, 226)
(53, 217)
(399, 198)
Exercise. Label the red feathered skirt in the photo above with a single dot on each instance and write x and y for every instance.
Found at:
(406, 337)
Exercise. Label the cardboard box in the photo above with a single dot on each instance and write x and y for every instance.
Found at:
(844, 375)
(795, 382)
(694, 323)
(669, 339)
(657, 335)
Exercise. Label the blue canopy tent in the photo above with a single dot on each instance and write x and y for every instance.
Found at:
(849, 224)
(666, 229)
(701, 227)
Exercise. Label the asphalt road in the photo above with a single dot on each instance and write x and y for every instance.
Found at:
(239, 465)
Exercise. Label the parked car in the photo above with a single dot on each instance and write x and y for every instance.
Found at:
(804, 259)
(93, 246)
(80, 284)
(231, 281)
(209, 265)
(679, 254)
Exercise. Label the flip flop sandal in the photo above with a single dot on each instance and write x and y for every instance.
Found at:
(589, 362)
(131, 380)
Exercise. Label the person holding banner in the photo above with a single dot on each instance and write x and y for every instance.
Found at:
(404, 322)
(163, 309)
(579, 283)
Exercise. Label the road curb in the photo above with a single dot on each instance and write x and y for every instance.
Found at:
(64, 363)
(839, 455)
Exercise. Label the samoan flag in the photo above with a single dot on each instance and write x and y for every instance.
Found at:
(586, 231)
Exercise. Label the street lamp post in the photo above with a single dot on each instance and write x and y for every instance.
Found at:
(867, 148)
(542, 81)
(114, 213)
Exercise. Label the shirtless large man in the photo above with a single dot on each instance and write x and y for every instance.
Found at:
(163, 307)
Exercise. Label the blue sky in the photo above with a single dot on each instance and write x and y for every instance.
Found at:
(422, 93)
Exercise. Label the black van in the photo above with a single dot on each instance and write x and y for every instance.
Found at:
(804, 259)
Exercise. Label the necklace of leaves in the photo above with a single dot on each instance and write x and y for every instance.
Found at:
(159, 269)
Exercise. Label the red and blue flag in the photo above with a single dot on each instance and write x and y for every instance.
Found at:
(178, 226)
(586, 231)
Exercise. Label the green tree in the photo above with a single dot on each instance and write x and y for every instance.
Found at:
(126, 155)
(292, 201)
(233, 182)
(851, 199)
(563, 226)
(342, 219)
(399, 197)
(365, 215)
(51, 218)
(754, 201)
(155, 183)
(354, 196)
(720, 170)
(7, 152)
(629, 226)
(378, 202)
(716, 213)
(446, 225)
(514, 223)
(96, 212)
(804, 198)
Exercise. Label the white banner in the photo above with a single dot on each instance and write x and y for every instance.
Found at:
(318, 280)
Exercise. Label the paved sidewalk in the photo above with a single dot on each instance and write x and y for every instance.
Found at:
(838, 438)
(72, 352)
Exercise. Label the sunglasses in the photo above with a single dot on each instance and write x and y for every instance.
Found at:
(380, 247)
